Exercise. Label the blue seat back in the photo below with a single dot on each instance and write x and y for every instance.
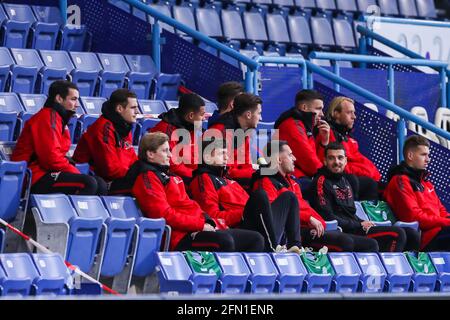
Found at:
(305, 3)
(255, 28)
(5, 57)
(113, 62)
(321, 31)
(360, 213)
(289, 263)
(299, 29)
(174, 266)
(54, 274)
(85, 61)
(325, 4)
(208, 22)
(57, 59)
(284, 3)
(122, 207)
(171, 104)
(10, 102)
(277, 28)
(53, 208)
(12, 176)
(232, 263)
(20, 271)
(141, 63)
(48, 14)
(407, 8)
(164, 9)
(232, 25)
(92, 105)
(89, 207)
(344, 263)
(346, 5)
(27, 57)
(32, 102)
(426, 8)
(264, 272)
(152, 107)
(210, 107)
(6, 149)
(185, 16)
(19, 12)
(441, 261)
(373, 271)
(363, 5)
(388, 7)
(343, 33)
(395, 263)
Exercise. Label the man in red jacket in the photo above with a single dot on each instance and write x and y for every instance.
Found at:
(341, 117)
(107, 145)
(225, 199)
(236, 127)
(45, 141)
(296, 126)
(412, 196)
(161, 194)
(313, 226)
(182, 125)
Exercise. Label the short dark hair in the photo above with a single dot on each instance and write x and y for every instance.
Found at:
(190, 102)
(412, 142)
(246, 102)
(307, 96)
(270, 152)
(334, 146)
(59, 87)
(227, 92)
(120, 97)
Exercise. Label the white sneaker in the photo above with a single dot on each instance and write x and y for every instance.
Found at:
(281, 249)
(324, 250)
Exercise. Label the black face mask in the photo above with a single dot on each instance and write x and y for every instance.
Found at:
(122, 127)
(63, 112)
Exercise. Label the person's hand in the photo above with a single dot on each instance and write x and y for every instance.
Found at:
(366, 225)
(208, 227)
(317, 226)
(324, 131)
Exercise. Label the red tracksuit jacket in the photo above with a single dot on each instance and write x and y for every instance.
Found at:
(296, 127)
(44, 143)
(110, 156)
(357, 164)
(169, 123)
(164, 196)
(236, 170)
(413, 198)
(277, 184)
(220, 197)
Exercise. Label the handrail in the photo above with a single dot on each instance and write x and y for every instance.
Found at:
(63, 10)
(191, 32)
(416, 22)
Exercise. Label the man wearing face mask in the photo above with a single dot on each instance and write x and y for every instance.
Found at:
(412, 196)
(334, 199)
(45, 141)
(107, 145)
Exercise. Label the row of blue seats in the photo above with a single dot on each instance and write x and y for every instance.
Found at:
(32, 71)
(15, 110)
(286, 273)
(39, 27)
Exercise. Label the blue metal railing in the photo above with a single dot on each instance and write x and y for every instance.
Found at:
(441, 66)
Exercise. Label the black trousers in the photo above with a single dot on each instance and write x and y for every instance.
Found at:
(229, 240)
(70, 183)
(121, 186)
(412, 239)
(337, 241)
(441, 242)
(273, 221)
(390, 239)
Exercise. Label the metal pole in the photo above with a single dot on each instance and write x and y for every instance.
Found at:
(63, 9)
(337, 72)
(391, 84)
(310, 80)
(363, 50)
(443, 75)
(156, 42)
(249, 81)
(401, 133)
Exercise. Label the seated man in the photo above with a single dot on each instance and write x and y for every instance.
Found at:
(245, 116)
(341, 117)
(107, 145)
(191, 109)
(161, 194)
(334, 196)
(279, 182)
(225, 199)
(45, 141)
(225, 99)
(412, 196)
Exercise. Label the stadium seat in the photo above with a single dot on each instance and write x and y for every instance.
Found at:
(263, 273)
(151, 108)
(60, 229)
(149, 235)
(388, 7)
(10, 108)
(32, 103)
(284, 3)
(305, 3)
(291, 272)
(325, 5)
(54, 277)
(346, 5)
(92, 105)
(184, 15)
(166, 85)
(86, 72)
(233, 27)
(13, 34)
(442, 120)
(210, 107)
(373, 272)
(371, 106)
(43, 35)
(164, 9)
(322, 33)
(422, 281)
(343, 33)
(421, 112)
(72, 37)
(348, 273)
(235, 273)
(113, 64)
(426, 9)
(30, 58)
(118, 232)
(12, 175)
(17, 274)
(175, 275)
(22, 79)
(300, 31)
(407, 8)
(399, 272)
(208, 22)
(441, 261)
(363, 5)
(255, 29)
(277, 30)
(317, 283)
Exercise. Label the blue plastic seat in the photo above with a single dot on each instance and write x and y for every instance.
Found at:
(233, 27)
(277, 28)
(373, 272)
(388, 7)
(184, 15)
(59, 227)
(54, 277)
(299, 30)
(6, 149)
(151, 108)
(43, 34)
(441, 261)
(112, 64)
(10, 108)
(263, 273)
(284, 3)
(175, 275)
(171, 104)
(423, 281)
(119, 233)
(291, 271)
(22, 79)
(47, 75)
(13, 34)
(255, 29)
(306, 3)
(346, 5)
(325, 5)
(164, 9)
(17, 275)
(235, 273)
(57, 59)
(426, 9)
(322, 32)
(208, 22)
(399, 272)
(86, 72)
(92, 105)
(363, 5)
(348, 273)
(149, 236)
(407, 8)
(12, 176)
(32, 104)
(343, 33)
(72, 37)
